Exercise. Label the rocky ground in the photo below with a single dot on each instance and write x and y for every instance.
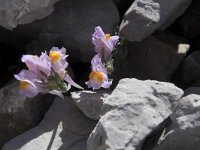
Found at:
(154, 102)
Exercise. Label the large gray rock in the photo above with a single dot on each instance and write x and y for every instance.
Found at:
(15, 12)
(183, 131)
(156, 58)
(18, 113)
(133, 110)
(146, 16)
(64, 127)
(188, 72)
(71, 26)
(90, 102)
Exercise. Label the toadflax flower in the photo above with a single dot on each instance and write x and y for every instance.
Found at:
(45, 74)
(104, 43)
(98, 77)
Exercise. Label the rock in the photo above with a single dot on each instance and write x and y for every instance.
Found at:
(189, 22)
(63, 127)
(188, 72)
(133, 110)
(71, 26)
(156, 58)
(15, 12)
(90, 102)
(18, 113)
(183, 131)
(144, 17)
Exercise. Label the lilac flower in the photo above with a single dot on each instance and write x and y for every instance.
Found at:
(59, 64)
(45, 74)
(98, 77)
(27, 83)
(38, 65)
(104, 43)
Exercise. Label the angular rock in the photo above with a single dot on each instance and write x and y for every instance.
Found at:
(18, 113)
(90, 102)
(188, 72)
(133, 110)
(15, 12)
(183, 131)
(71, 26)
(156, 58)
(144, 17)
(63, 127)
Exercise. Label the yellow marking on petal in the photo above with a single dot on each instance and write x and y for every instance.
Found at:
(23, 85)
(99, 76)
(54, 56)
(108, 36)
(92, 75)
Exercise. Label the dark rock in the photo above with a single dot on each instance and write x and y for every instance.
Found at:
(157, 57)
(144, 17)
(18, 113)
(64, 127)
(188, 72)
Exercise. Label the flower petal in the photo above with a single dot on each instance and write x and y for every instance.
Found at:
(70, 81)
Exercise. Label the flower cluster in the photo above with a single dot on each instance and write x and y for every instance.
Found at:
(45, 74)
(102, 62)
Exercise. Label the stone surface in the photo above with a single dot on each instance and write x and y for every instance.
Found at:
(90, 102)
(64, 127)
(156, 58)
(144, 17)
(133, 110)
(189, 22)
(188, 72)
(18, 113)
(71, 25)
(15, 12)
(183, 131)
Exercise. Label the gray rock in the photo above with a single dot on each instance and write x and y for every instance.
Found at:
(146, 16)
(71, 25)
(156, 58)
(18, 113)
(90, 102)
(188, 72)
(133, 110)
(63, 127)
(15, 12)
(183, 131)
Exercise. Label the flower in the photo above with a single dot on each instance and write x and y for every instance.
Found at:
(98, 77)
(45, 74)
(27, 83)
(104, 43)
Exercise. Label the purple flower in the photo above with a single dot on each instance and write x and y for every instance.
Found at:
(38, 65)
(45, 74)
(104, 43)
(27, 83)
(98, 77)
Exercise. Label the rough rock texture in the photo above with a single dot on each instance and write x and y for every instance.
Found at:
(183, 131)
(189, 22)
(18, 113)
(71, 26)
(155, 58)
(133, 110)
(14, 12)
(188, 72)
(64, 127)
(90, 102)
(146, 16)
